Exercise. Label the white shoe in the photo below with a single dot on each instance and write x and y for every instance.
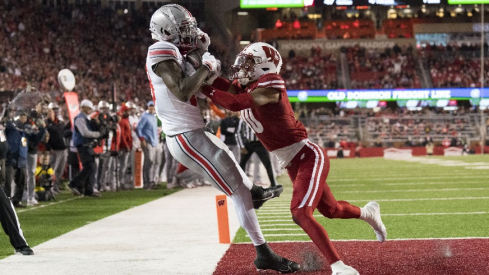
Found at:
(32, 202)
(371, 214)
(339, 268)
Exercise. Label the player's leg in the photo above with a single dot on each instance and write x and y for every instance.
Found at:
(201, 154)
(333, 209)
(308, 171)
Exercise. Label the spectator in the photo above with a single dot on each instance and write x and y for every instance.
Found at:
(125, 147)
(16, 133)
(56, 144)
(83, 140)
(148, 134)
(36, 120)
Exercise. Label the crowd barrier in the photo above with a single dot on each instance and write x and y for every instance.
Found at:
(399, 152)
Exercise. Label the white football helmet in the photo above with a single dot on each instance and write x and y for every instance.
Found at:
(175, 24)
(256, 60)
(103, 104)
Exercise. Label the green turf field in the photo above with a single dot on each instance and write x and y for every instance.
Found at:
(424, 197)
(52, 219)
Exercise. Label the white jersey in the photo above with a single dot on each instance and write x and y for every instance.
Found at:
(176, 116)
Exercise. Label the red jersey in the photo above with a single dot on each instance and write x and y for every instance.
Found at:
(274, 123)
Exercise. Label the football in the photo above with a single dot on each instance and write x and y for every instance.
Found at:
(194, 58)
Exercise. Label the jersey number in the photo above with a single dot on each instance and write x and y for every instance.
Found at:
(252, 121)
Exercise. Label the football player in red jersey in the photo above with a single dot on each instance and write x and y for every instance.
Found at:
(259, 93)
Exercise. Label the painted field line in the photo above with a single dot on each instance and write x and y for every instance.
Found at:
(279, 224)
(282, 229)
(46, 205)
(384, 215)
(410, 178)
(400, 184)
(388, 240)
(279, 208)
(413, 190)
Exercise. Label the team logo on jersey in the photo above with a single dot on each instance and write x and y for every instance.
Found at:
(213, 91)
(221, 203)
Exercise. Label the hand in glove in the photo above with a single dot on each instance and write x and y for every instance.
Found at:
(210, 62)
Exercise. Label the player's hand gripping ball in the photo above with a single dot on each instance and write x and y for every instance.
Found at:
(194, 58)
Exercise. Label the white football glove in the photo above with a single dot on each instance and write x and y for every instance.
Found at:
(203, 40)
(213, 75)
(210, 62)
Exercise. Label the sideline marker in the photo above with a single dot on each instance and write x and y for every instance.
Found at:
(222, 219)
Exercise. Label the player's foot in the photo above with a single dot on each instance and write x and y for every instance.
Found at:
(267, 259)
(339, 268)
(74, 190)
(260, 195)
(25, 250)
(371, 214)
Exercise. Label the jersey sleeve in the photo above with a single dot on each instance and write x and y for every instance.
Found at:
(271, 81)
(162, 51)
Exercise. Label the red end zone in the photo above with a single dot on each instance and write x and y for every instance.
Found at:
(409, 257)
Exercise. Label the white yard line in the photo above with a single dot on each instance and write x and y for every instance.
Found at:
(400, 178)
(361, 240)
(412, 190)
(46, 205)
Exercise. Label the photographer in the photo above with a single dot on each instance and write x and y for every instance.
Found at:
(84, 139)
(36, 120)
(16, 133)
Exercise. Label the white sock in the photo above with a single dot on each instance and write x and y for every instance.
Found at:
(246, 214)
(364, 214)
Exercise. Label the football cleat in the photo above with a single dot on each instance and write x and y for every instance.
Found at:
(339, 268)
(259, 198)
(371, 214)
(25, 250)
(277, 263)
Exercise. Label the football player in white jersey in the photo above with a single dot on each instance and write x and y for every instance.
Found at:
(175, 85)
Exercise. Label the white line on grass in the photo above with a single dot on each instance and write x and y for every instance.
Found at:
(383, 215)
(275, 209)
(388, 240)
(46, 205)
(410, 178)
(282, 229)
(413, 190)
(278, 224)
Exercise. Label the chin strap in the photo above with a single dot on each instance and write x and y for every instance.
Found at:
(229, 101)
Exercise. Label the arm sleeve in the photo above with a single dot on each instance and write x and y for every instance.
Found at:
(229, 101)
(83, 129)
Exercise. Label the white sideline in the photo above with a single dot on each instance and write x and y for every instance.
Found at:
(176, 234)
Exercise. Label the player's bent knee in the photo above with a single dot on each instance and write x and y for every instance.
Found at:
(300, 215)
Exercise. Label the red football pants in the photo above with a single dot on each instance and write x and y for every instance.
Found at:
(308, 171)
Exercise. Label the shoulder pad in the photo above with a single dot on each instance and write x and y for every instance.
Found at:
(161, 51)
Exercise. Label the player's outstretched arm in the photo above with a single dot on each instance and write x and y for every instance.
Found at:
(173, 76)
(238, 102)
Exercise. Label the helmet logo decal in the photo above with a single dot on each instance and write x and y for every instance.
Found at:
(271, 55)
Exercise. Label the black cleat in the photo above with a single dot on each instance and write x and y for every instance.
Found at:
(277, 263)
(25, 250)
(260, 197)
